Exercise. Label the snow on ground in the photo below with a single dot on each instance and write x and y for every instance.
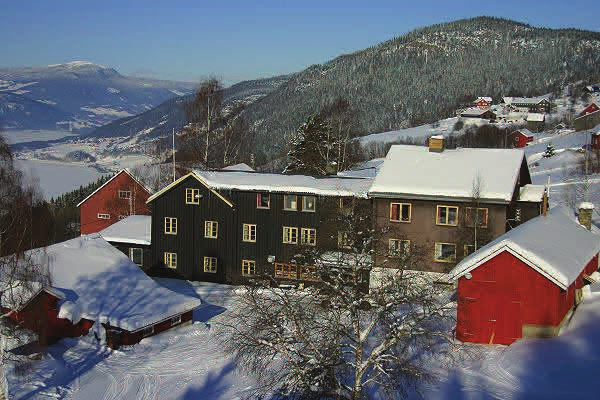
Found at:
(14, 136)
(107, 111)
(55, 178)
(183, 363)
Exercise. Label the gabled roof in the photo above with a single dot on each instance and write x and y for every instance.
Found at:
(135, 229)
(238, 167)
(524, 132)
(526, 101)
(416, 172)
(536, 117)
(555, 245)
(476, 112)
(195, 175)
(486, 99)
(532, 193)
(125, 170)
(98, 282)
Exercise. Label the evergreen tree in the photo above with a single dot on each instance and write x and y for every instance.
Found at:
(550, 151)
(312, 149)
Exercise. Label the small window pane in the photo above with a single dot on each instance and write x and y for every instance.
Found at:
(290, 202)
(263, 200)
(309, 203)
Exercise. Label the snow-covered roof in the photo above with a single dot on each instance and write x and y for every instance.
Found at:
(124, 170)
(533, 193)
(536, 117)
(238, 167)
(366, 169)
(134, 229)
(279, 183)
(526, 101)
(476, 112)
(100, 283)
(416, 172)
(525, 132)
(555, 245)
(487, 99)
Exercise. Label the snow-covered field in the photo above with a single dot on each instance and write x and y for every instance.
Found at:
(14, 136)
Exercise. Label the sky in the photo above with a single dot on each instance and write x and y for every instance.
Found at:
(236, 40)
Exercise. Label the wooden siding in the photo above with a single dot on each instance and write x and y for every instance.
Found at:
(504, 294)
(147, 260)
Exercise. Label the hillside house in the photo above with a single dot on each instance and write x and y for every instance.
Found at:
(122, 195)
(479, 113)
(536, 122)
(593, 88)
(522, 137)
(132, 236)
(426, 196)
(229, 226)
(529, 104)
(527, 281)
(588, 118)
(94, 283)
(482, 102)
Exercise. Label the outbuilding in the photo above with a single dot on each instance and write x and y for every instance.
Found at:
(527, 281)
(522, 137)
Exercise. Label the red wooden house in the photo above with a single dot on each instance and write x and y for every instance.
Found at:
(522, 137)
(93, 283)
(120, 196)
(590, 108)
(525, 283)
(482, 102)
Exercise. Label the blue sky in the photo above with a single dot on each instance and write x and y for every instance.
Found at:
(236, 39)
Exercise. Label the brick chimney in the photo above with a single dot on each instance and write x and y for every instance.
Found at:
(436, 144)
(585, 215)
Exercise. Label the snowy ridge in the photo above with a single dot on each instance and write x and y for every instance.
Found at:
(133, 229)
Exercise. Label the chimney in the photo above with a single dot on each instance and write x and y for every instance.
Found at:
(436, 144)
(585, 215)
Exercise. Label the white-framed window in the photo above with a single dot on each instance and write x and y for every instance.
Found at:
(125, 194)
(192, 196)
(290, 202)
(344, 240)
(148, 331)
(136, 255)
(210, 264)
(170, 226)
(346, 203)
(286, 271)
(398, 248)
(170, 260)
(308, 273)
(176, 320)
(249, 232)
(400, 212)
(211, 229)
(122, 217)
(309, 203)
(103, 216)
(263, 200)
(445, 252)
(290, 235)
(248, 267)
(476, 217)
(308, 236)
(447, 215)
(469, 249)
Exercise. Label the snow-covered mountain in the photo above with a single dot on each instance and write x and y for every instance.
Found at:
(77, 95)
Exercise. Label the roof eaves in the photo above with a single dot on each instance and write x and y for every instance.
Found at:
(178, 181)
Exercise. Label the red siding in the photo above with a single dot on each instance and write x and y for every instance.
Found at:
(130, 338)
(521, 139)
(590, 108)
(504, 293)
(107, 201)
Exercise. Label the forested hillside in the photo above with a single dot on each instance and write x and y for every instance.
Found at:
(426, 74)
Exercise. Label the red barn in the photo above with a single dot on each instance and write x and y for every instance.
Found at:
(590, 108)
(522, 137)
(93, 285)
(120, 196)
(525, 283)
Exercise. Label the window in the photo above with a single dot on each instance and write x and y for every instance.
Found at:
(309, 203)
(476, 217)
(308, 236)
(124, 194)
(308, 273)
(399, 248)
(148, 331)
(192, 196)
(248, 267)
(263, 200)
(469, 249)
(170, 226)
(290, 235)
(346, 202)
(344, 240)
(211, 229)
(285, 271)
(400, 212)
(445, 252)
(176, 320)
(136, 255)
(290, 202)
(447, 215)
(171, 260)
(103, 216)
(249, 233)
(122, 217)
(210, 264)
